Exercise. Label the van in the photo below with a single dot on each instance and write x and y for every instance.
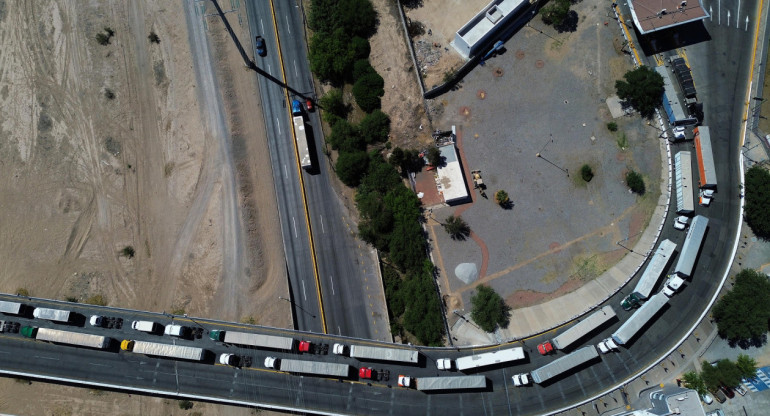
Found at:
(180, 331)
(145, 326)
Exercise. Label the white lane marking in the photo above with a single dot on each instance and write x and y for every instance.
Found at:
(47, 358)
(285, 171)
(719, 12)
(288, 26)
(331, 279)
(323, 231)
(294, 221)
(278, 124)
(711, 14)
(262, 25)
(304, 291)
(269, 71)
(100, 365)
(747, 24)
(296, 71)
(738, 14)
(339, 331)
(728, 18)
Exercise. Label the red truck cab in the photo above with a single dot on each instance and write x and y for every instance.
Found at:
(304, 346)
(366, 373)
(545, 348)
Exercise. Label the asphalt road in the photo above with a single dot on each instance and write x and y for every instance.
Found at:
(350, 287)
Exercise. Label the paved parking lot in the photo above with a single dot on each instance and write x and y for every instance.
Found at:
(546, 96)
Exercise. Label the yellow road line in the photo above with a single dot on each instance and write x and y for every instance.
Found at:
(628, 35)
(299, 171)
(751, 73)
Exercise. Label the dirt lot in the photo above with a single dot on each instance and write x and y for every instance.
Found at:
(109, 146)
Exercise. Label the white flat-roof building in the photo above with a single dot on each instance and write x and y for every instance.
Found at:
(450, 179)
(490, 22)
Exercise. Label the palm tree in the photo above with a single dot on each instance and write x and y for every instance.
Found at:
(457, 228)
(501, 197)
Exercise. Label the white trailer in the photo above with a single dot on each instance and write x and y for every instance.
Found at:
(564, 364)
(13, 308)
(685, 203)
(401, 355)
(164, 350)
(490, 358)
(253, 340)
(319, 368)
(584, 327)
(57, 315)
(450, 383)
(641, 317)
(691, 246)
(651, 275)
(73, 338)
(302, 149)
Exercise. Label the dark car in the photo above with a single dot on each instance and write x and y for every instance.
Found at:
(261, 46)
(727, 390)
(719, 396)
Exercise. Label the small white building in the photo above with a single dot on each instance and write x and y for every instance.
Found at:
(450, 179)
(491, 22)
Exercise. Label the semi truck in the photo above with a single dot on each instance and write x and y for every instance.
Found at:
(319, 368)
(56, 315)
(686, 261)
(181, 352)
(402, 355)
(707, 176)
(651, 275)
(490, 358)
(11, 308)
(253, 340)
(443, 383)
(578, 331)
(67, 337)
(299, 133)
(685, 203)
(640, 318)
(564, 364)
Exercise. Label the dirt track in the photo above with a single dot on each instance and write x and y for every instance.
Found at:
(109, 146)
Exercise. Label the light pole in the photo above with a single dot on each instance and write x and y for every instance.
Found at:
(294, 304)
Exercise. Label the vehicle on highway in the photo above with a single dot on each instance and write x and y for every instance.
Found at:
(686, 262)
(101, 321)
(67, 337)
(309, 105)
(444, 364)
(651, 275)
(253, 340)
(260, 44)
(578, 331)
(145, 326)
(10, 327)
(402, 355)
(339, 349)
(181, 352)
(55, 315)
(521, 380)
(706, 195)
(313, 347)
(230, 359)
(560, 366)
(607, 345)
(319, 368)
(490, 358)
(681, 222)
(12, 308)
(179, 331)
(639, 319)
(443, 383)
(300, 135)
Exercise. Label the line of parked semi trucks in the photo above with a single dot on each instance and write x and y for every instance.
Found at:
(649, 306)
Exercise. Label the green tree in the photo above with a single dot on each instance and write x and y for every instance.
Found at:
(423, 316)
(742, 313)
(635, 181)
(407, 243)
(354, 17)
(361, 68)
(555, 12)
(456, 227)
(642, 88)
(375, 127)
(729, 373)
(334, 105)
(346, 137)
(489, 309)
(757, 210)
(331, 55)
(692, 380)
(361, 47)
(351, 167)
(501, 197)
(710, 375)
(586, 173)
(367, 91)
(746, 365)
(406, 160)
(394, 294)
(321, 16)
(434, 156)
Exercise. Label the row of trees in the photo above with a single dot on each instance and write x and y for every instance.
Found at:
(390, 212)
(722, 373)
(757, 209)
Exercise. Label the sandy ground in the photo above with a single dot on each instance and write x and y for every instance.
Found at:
(86, 175)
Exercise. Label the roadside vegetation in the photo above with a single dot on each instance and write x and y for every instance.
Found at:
(558, 14)
(742, 314)
(641, 88)
(489, 310)
(635, 182)
(757, 210)
(720, 373)
(391, 214)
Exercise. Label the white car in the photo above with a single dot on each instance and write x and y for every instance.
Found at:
(521, 380)
(338, 349)
(706, 195)
(681, 222)
(607, 345)
(707, 398)
(444, 364)
(740, 390)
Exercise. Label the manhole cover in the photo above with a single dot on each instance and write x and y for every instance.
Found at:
(539, 63)
(498, 72)
(519, 54)
(465, 111)
(481, 94)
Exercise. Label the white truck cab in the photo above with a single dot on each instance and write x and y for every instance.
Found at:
(144, 326)
(272, 362)
(681, 222)
(338, 349)
(404, 381)
(444, 364)
(522, 379)
(706, 195)
(607, 345)
(673, 284)
(180, 331)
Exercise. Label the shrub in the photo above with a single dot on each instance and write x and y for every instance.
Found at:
(375, 127)
(635, 181)
(22, 292)
(345, 137)
(586, 173)
(351, 167)
(109, 94)
(501, 197)
(333, 104)
(128, 251)
(367, 91)
(72, 299)
(489, 309)
(612, 126)
(97, 299)
(361, 68)
(434, 156)
(103, 38)
(153, 38)
(757, 211)
(185, 404)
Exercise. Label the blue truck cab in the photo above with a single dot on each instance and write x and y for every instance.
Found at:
(296, 108)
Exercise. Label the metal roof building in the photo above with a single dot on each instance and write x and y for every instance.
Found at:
(653, 15)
